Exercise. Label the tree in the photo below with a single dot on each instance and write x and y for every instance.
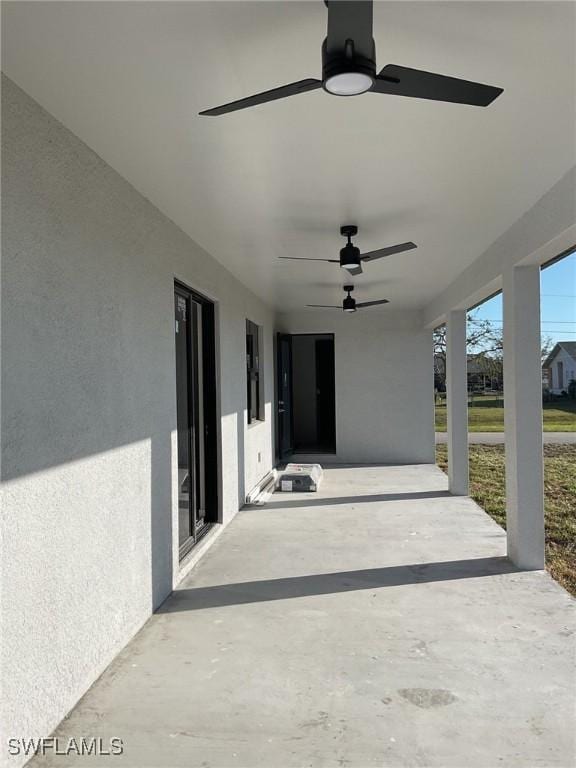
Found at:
(484, 340)
(547, 347)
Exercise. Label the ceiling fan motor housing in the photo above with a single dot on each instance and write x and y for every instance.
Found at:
(349, 256)
(349, 304)
(344, 62)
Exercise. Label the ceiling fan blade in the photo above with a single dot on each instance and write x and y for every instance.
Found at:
(350, 20)
(261, 98)
(305, 258)
(403, 81)
(325, 306)
(373, 255)
(371, 303)
(355, 271)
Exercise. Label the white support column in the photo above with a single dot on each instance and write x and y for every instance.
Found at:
(457, 401)
(523, 417)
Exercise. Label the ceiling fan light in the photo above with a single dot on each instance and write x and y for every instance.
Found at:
(348, 83)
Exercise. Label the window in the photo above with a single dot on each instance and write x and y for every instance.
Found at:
(253, 374)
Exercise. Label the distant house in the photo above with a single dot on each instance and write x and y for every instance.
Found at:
(559, 368)
(484, 372)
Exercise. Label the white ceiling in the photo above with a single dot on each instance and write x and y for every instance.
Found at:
(130, 77)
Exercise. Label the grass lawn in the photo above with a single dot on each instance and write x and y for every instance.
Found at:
(486, 414)
(487, 488)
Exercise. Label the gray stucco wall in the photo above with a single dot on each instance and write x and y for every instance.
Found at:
(88, 424)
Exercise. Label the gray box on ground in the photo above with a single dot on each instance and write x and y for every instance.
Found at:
(300, 477)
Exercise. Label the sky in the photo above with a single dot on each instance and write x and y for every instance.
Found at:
(557, 302)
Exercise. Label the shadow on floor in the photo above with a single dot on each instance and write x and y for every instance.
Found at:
(326, 501)
(333, 583)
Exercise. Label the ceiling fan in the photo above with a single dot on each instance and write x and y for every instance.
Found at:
(349, 68)
(349, 304)
(350, 256)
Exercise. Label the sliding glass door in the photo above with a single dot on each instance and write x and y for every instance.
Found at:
(195, 405)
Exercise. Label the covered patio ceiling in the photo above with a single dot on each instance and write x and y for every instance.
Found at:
(129, 78)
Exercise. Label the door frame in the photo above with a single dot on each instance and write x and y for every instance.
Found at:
(209, 406)
(283, 335)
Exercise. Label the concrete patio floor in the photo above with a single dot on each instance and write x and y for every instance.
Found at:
(375, 623)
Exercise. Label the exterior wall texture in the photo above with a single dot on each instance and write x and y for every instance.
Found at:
(89, 494)
(89, 506)
(384, 383)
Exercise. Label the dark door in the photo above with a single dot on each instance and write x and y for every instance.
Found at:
(560, 366)
(325, 395)
(284, 394)
(196, 415)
